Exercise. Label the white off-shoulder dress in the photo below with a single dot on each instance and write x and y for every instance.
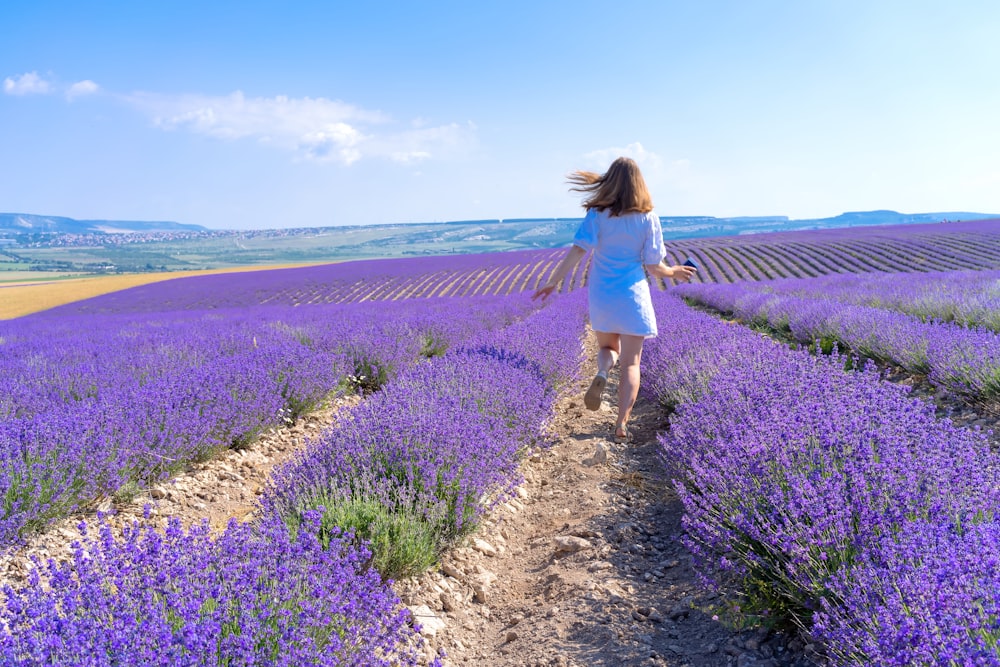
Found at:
(617, 287)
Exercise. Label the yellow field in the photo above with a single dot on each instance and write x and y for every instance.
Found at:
(23, 298)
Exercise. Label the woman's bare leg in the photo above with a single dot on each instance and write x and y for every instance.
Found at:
(607, 355)
(628, 380)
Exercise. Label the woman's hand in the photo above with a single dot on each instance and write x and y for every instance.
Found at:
(682, 272)
(678, 272)
(544, 292)
(569, 260)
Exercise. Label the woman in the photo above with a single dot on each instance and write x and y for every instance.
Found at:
(625, 235)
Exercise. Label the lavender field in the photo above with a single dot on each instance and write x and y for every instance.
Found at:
(98, 404)
(942, 325)
(832, 498)
(866, 250)
(864, 506)
(876, 250)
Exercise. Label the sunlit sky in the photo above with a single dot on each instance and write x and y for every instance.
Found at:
(252, 114)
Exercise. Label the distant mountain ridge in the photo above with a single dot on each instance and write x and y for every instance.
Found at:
(711, 226)
(49, 243)
(541, 231)
(35, 224)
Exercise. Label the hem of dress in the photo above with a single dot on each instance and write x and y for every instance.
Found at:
(627, 333)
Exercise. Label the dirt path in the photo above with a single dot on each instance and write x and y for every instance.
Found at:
(585, 567)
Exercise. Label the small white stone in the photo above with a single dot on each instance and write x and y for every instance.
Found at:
(430, 623)
(481, 586)
(483, 547)
(452, 571)
(571, 544)
(69, 534)
(600, 456)
(448, 601)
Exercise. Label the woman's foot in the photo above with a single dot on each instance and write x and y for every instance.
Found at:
(592, 399)
(622, 434)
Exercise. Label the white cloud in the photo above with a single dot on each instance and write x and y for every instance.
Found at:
(656, 170)
(670, 178)
(424, 143)
(600, 160)
(314, 129)
(31, 83)
(26, 84)
(81, 88)
(333, 141)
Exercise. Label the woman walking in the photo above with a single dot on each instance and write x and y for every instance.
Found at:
(625, 235)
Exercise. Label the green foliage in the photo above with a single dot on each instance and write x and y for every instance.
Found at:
(401, 543)
(242, 441)
(433, 346)
(126, 492)
(827, 344)
(367, 378)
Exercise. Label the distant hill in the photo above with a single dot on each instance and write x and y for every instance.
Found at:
(893, 218)
(706, 226)
(541, 231)
(35, 224)
(63, 245)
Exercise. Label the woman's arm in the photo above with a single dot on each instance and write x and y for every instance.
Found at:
(573, 255)
(678, 272)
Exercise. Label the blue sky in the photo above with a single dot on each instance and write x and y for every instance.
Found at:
(255, 114)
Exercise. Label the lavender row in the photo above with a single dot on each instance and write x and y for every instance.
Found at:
(881, 250)
(963, 360)
(968, 298)
(93, 405)
(490, 274)
(418, 463)
(832, 499)
(878, 250)
(255, 595)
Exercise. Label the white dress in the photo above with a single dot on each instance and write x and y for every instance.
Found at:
(617, 287)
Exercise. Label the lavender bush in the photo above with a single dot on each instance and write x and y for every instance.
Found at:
(101, 403)
(804, 482)
(927, 595)
(420, 448)
(961, 359)
(254, 595)
(418, 463)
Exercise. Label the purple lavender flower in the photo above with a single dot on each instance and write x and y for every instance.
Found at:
(422, 459)
(255, 595)
(833, 499)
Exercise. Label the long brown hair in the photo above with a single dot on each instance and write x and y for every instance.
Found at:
(621, 188)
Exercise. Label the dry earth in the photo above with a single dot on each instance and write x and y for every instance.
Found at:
(41, 291)
(583, 567)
